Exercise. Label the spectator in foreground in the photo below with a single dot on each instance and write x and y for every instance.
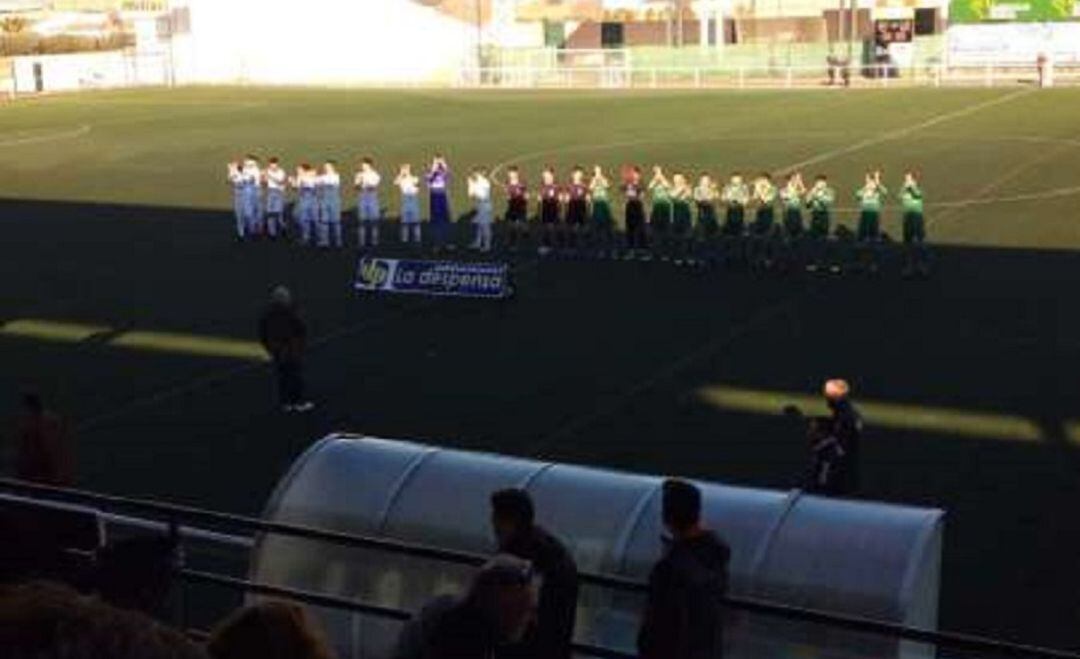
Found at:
(44, 454)
(846, 426)
(284, 336)
(512, 518)
(269, 630)
(683, 616)
(496, 611)
(47, 621)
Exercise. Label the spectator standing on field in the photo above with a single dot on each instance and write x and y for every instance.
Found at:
(284, 336)
(513, 521)
(846, 426)
(495, 612)
(44, 454)
(683, 616)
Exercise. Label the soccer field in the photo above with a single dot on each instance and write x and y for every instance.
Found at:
(125, 299)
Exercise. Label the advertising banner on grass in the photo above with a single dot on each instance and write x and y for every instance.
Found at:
(445, 278)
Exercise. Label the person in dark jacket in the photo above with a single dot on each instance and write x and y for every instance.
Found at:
(496, 611)
(284, 335)
(513, 521)
(683, 616)
(846, 426)
(44, 454)
(828, 460)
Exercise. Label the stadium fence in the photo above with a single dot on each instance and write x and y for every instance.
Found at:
(31, 75)
(748, 76)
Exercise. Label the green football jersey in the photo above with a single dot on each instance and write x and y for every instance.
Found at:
(661, 192)
(911, 198)
(792, 197)
(736, 194)
(705, 194)
(766, 196)
(600, 191)
(821, 198)
(871, 197)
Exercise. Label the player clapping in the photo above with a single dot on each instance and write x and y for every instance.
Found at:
(408, 184)
(517, 207)
(682, 220)
(871, 197)
(251, 178)
(660, 216)
(438, 181)
(603, 222)
(705, 196)
(235, 178)
(634, 194)
(577, 206)
(479, 188)
(276, 180)
(550, 208)
(792, 196)
(329, 185)
(911, 200)
(306, 183)
(367, 204)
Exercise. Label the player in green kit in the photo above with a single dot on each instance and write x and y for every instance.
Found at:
(911, 200)
(736, 195)
(660, 216)
(792, 197)
(705, 196)
(871, 197)
(603, 223)
(763, 229)
(820, 200)
(682, 220)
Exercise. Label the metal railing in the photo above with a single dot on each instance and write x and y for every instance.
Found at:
(760, 76)
(190, 522)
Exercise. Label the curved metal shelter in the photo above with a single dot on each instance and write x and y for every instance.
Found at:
(851, 557)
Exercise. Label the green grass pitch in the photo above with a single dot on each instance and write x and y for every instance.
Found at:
(114, 211)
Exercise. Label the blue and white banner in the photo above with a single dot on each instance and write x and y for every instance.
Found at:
(449, 278)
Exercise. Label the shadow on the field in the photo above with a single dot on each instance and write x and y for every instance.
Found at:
(595, 362)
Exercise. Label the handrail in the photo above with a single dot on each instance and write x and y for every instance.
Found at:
(345, 604)
(178, 513)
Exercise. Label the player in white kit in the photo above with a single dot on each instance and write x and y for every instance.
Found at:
(409, 185)
(367, 205)
(480, 193)
(275, 180)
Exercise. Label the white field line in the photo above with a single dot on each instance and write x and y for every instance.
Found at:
(54, 136)
(1009, 174)
(906, 130)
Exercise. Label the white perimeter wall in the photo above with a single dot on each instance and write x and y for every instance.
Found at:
(60, 73)
(333, 42)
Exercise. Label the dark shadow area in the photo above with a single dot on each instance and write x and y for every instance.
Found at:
(596, 362)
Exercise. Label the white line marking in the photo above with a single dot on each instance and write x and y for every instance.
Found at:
(906, 130)
(1009, 174)
(55, 136)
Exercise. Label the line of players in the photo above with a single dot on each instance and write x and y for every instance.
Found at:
(682, 216)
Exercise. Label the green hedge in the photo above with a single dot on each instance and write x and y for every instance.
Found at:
(12, 45)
